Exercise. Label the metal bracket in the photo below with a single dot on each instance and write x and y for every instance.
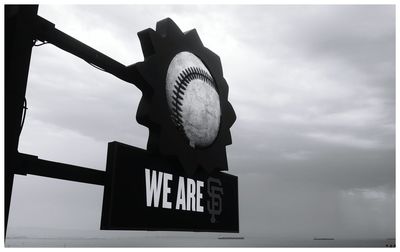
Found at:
(29, 164)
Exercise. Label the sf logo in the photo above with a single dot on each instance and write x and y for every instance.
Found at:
(214, 204)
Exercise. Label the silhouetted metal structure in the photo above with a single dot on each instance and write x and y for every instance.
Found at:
(18, 48)
(23, 28)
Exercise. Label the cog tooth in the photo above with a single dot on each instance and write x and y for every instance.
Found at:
(193, 37)
(168, 28)
(148, 41)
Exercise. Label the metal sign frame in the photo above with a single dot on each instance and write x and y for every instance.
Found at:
(23, 28)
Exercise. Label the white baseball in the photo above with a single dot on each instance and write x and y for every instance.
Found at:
(193, 99)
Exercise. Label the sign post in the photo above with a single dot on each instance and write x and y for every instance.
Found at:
(178, 183)
(18, 47)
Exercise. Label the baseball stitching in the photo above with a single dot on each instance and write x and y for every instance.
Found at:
(184, 78)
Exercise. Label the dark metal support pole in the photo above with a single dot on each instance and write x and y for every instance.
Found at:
(18, 47)
(46, 32)
(34, 166)
(22, 27)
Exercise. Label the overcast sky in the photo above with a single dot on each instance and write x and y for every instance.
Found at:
(313, 88)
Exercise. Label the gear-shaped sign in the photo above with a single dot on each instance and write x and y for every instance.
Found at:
(185, 98)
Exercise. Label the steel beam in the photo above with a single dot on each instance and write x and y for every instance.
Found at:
(19, 28)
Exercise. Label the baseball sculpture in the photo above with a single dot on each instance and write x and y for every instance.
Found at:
(193, 99)
(185, 99)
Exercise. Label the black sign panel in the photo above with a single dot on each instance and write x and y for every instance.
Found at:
(147, 192)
